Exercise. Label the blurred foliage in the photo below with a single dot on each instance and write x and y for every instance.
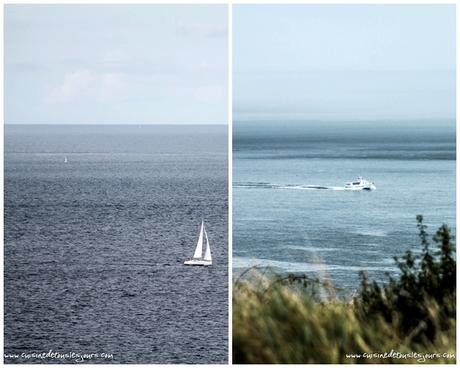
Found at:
(299, 319)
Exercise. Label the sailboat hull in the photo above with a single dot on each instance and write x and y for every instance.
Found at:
(198, 262)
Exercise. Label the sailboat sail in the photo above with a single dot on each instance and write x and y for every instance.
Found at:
(199, 245)
(207, 254)
(198, 259)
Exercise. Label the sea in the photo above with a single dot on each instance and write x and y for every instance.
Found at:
(94, 247)
(292, 214)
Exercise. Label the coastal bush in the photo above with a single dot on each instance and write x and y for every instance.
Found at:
(297, 319)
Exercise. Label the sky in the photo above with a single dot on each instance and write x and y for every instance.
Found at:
(343, 62)
(116, 64)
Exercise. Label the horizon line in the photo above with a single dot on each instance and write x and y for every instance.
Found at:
(350, 120)
(105, 123)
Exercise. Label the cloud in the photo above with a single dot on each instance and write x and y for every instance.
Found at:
(86, 85)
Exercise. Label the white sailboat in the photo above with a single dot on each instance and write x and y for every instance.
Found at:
(65, 159)
(198, 259)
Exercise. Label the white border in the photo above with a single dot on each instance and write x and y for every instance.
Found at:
(237, 2)
(230, 179)
(457, 116)
(2, 189)
(229, 122)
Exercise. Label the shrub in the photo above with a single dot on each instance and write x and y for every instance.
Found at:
(297, 319)
(425, 278)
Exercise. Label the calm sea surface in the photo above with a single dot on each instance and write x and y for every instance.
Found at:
(94, 248)
(331, 232)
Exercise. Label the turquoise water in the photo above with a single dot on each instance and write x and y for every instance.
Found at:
(278, 222)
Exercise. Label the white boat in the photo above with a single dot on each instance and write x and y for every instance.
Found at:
(360, 184)
(198, 259)
(65, 159)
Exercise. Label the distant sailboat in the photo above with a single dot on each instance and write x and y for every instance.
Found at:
(65, 159)
(198, 259)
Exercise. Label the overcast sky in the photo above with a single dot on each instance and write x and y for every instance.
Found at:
(115, 64)
(344, 62)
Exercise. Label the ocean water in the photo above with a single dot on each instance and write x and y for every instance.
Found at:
(330, 232)
(94, 248)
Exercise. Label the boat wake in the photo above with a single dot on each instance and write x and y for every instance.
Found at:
(252, 185)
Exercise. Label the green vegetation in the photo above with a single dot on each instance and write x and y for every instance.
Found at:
(298, 320)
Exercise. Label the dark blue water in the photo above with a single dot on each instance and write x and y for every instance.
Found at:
(333, 233)
(94, 248)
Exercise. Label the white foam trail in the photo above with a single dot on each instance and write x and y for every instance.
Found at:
(370, 232)
(292, 187)
(312, 187)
